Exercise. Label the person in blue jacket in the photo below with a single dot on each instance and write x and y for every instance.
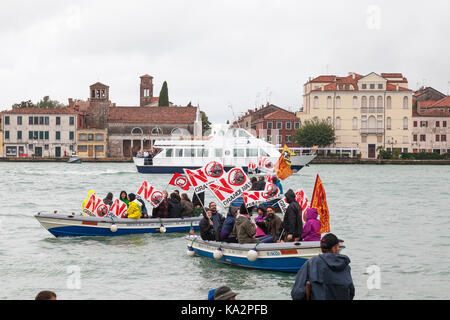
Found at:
(326, 276)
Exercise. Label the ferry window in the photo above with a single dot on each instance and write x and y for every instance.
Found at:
(169, 153)
(218, 152)
(262, 152)
(202, 152)
(252, 152)
(178, 152)
(189, 153)
(238, 152)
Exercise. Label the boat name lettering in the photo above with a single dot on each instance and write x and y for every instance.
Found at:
(273, 253)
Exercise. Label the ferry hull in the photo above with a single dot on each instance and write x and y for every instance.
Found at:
(77, 226)
(179, 169)
(282, 257)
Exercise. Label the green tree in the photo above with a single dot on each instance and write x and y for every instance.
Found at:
(24, 104)
(315, 133)
(206, 125)
(164, 96)
(47, 103)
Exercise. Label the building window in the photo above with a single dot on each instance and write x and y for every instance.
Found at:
(355, 123)
(137, 131)
(30, 135)
(444, 124)
(297, 125)
(99, 148)
(437, 124)
(338, 123)
(372, 86)
(156, 131)
(329, 102)
(338, 102)
(415, 137)
(71, 121)
(316, 102)
(388, 123)
(288, 139)
(279, 139)
(405, 102)
(372, 104)
(19, 120)
(30, 120)
(36, 120)
(19, 135)
(288, 126)
(47, 121)
(443, 137)
(41, 135)
(99, 137)
(380, 86)
(279, 125)
(91, 137)
(46, 146)
(422, 137)
(355, 102)
(415, 124)
(82, 137)
(379, 102)
(329, 120)
(41, 120)
(364, 86)
(269, 125)
(364, 102)
(388, 102)
(35, 135)
(423, 124)
(71, 135)
(82, 148)
(58, 121)
(58, 135)
(437, 138)
(405, 123)
(46, 135)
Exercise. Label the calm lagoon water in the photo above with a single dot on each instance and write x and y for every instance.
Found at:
(393, 217)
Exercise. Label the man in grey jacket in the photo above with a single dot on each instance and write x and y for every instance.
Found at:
(325, 277)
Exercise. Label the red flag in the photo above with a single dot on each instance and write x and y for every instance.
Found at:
(319, 201)
(180, 180)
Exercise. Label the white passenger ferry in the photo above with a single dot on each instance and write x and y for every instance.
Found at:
(233, 147)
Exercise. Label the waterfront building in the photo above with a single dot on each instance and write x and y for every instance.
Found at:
(39, 132)
(431, 126)
(1, 136)
(367, 112)
(128, 129)
(272, 124)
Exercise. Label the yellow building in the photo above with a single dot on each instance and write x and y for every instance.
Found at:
(92, 143)
(367, 112)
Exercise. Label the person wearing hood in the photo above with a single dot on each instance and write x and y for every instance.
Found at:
(108, 200)
(311, 229)
(244, 228)
(228, 225)
(206, 227)
(174, 206)
(134, 209)
(292, 227)
(326, 276)
(261, 222)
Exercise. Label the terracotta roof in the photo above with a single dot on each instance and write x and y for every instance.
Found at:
(426, 103)
(153, 114)
(99, 84)
(323, 79)
(444, 102)
(146, 76)
(281, 115)
(153, 99)
(392, 75)
(41, 111)
(431, 113)
(393, 87)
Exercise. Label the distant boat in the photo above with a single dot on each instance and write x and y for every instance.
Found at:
(66, 225)
(74, 158)
(233, 147)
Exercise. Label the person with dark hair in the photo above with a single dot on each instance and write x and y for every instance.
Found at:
(228, 225)
(273, 226)
(254, 182)
(292, 227)
(108, 200)
(144, 213)
(187, 208)
(174, 206)
(206, 227)
(124, 198)
(216, 217)
(224, 293)
(261, 184)
(177, 193)
(45, 295)
(162, 211)
(244, 228)
(277, 182)
(326, 276)
(134, 209)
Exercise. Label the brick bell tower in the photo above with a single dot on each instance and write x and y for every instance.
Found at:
(146, 90)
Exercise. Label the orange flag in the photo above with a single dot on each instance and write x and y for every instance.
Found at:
(283, 165)
(319, 201)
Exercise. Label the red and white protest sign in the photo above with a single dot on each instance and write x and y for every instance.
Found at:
(180, 180)
(231, 186)
(301, 199)
(95, 207)
(265, 165)
(118, 208)
(199, 179)
(254, 198)
(252, 166)
(149, 193)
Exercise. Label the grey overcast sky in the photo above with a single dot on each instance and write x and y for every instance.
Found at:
(215, 53)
